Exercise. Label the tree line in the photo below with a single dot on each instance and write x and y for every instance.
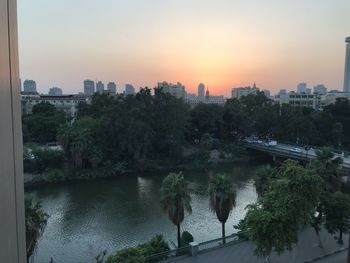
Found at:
(148, 128)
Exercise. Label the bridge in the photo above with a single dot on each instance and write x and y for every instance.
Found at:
(294, 152)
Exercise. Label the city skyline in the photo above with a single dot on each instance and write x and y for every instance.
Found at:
(223, 44)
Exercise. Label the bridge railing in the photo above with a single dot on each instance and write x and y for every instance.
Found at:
(215, 243)
(170, 254)
(288, 153)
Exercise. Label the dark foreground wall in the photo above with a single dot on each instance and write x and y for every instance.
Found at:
(12, 231)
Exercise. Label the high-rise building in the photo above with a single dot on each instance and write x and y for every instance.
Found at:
(201, 90)
(100, 87)
(302, 87)
(111, 87)
(177, 90)
(55, 91)
(89, 87)
(347, 66)
(29, 86)
(239, 92)
(320, 89)
(129, 89)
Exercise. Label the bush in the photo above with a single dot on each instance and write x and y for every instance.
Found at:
(156, 245)
(138, 254)
(186, 238)
(127, 255)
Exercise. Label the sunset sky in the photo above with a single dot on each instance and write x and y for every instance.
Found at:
(222, 43)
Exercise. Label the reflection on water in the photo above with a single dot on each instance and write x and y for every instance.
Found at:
(88, 217)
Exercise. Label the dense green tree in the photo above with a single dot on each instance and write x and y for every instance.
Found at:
(139, 254)
(327, 166)
(35, 222)
(41, 126)
(77, 142)
(222, 198)
(337, 214)
(273, 223)
(126, 255)
(263, 177)
(175, 200)
(207, 118)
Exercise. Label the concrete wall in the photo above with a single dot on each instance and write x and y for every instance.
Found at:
(12, 230)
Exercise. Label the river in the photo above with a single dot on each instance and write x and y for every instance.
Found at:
(88, 217)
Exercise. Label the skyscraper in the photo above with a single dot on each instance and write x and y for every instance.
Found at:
(302, 87)
(129, 89)
(100, 87)
(111, 87)
(201, 89)
(347, 66)
(89, 87)
(320, 89)
(55, 91)
(29, 86)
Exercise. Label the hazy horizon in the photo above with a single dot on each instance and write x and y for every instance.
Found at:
(223, 43)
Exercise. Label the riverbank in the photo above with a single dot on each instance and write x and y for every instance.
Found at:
(69, 174)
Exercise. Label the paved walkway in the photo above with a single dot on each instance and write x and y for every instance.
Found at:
(336, 258)
(306, 249)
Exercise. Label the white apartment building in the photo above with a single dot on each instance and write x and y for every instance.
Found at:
(298, 99)
(66, 103)
(239, 92)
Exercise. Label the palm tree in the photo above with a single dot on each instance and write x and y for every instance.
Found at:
(222, 198)
(35, 221)
(175, 200)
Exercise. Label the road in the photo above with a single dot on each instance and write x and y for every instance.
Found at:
(293, 151)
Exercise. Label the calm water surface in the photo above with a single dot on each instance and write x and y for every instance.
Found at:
(88, 217)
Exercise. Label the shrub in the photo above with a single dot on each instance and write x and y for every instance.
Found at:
(156, 245)
(186, 238)
(138, 254)
(45, 157)
(127, 255)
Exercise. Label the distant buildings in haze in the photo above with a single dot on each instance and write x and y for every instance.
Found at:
(112, 88)
(129, 89)
(239, 92)
(201, 90)
(320, 89)
(100, 87)
(176, 90)
(89, 87)
(347, 66)
(29, 86)
(55, 91)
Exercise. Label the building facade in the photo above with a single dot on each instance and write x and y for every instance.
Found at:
(112, 88)
(320, 89)
(177, 90)
(129, 89)
(100, 87)
(67, 103)
(201, 91)
(89, 87)
(29, 86)
(237, 93)
(55, 91)
(298, 99)
(302, 87)
(347, 66)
